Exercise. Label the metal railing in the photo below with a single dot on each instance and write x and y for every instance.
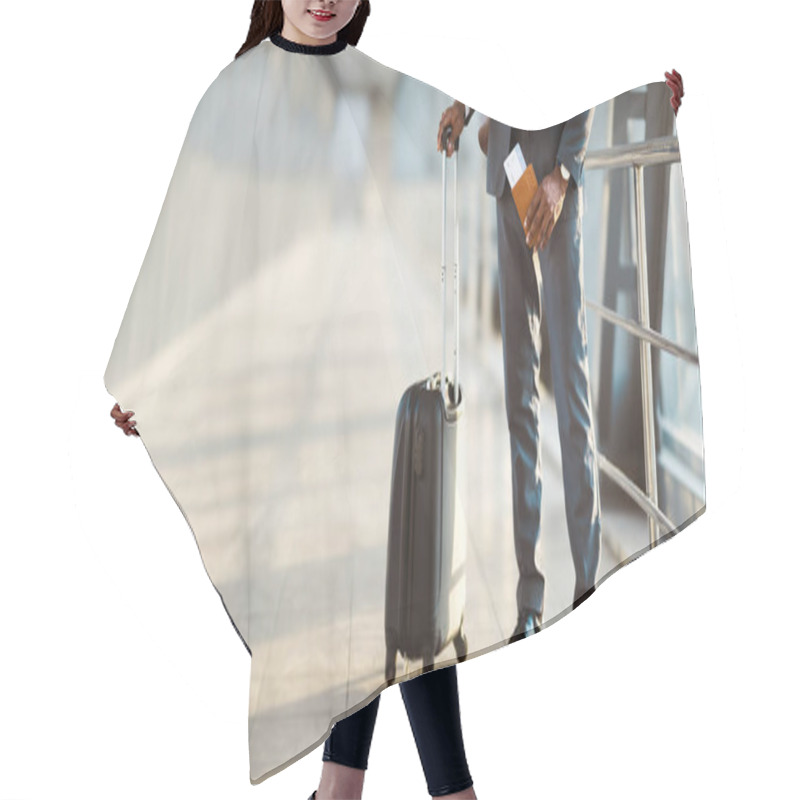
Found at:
(661, 150)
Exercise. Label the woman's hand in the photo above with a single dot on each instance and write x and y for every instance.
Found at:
(454, 115)
(123, 420)
(675, 83)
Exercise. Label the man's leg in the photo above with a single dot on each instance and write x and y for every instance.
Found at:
(565, 314)
(520, 322)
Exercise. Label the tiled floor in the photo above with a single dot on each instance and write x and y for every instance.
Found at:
(303, 573)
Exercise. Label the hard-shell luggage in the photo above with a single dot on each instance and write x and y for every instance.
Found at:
(425, 571)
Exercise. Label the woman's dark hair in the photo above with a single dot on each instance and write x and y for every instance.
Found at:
(266, 18)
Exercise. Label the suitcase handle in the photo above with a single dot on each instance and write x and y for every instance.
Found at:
(446, 135)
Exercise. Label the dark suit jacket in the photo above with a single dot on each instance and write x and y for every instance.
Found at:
(565, 143)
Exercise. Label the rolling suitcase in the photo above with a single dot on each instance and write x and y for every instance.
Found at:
(425, 571)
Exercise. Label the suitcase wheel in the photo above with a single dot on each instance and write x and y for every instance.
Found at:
(391, 664)
(427, 661)
(460, 642)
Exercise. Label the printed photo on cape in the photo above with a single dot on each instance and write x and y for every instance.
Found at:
(293, 292)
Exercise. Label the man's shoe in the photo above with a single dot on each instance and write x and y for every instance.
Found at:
(527, 623)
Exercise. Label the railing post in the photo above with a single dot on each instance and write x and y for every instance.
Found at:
(648, 413)
(444, 276)
(488, 254)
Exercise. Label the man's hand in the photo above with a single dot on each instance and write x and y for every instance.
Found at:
(545, 209)
(483, 137)
(454, 115)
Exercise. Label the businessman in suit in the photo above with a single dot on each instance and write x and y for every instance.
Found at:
(549, 283)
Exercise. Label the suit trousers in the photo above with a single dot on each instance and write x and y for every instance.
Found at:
(550, 287)
(431, 701)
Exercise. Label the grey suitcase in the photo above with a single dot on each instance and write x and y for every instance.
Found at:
(425, 571)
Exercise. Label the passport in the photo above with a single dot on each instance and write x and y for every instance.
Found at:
(522, 180)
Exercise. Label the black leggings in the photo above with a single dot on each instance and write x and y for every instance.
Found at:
(432, 706)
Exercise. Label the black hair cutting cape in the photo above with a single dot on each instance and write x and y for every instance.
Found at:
(292, 292)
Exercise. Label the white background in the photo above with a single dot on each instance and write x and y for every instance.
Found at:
(120, 674)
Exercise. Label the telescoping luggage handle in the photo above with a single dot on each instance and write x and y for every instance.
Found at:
(446, 136)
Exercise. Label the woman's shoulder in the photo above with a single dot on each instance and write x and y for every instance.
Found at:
(237, 82)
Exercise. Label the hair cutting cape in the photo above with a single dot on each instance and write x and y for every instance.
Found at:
(292, 292)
